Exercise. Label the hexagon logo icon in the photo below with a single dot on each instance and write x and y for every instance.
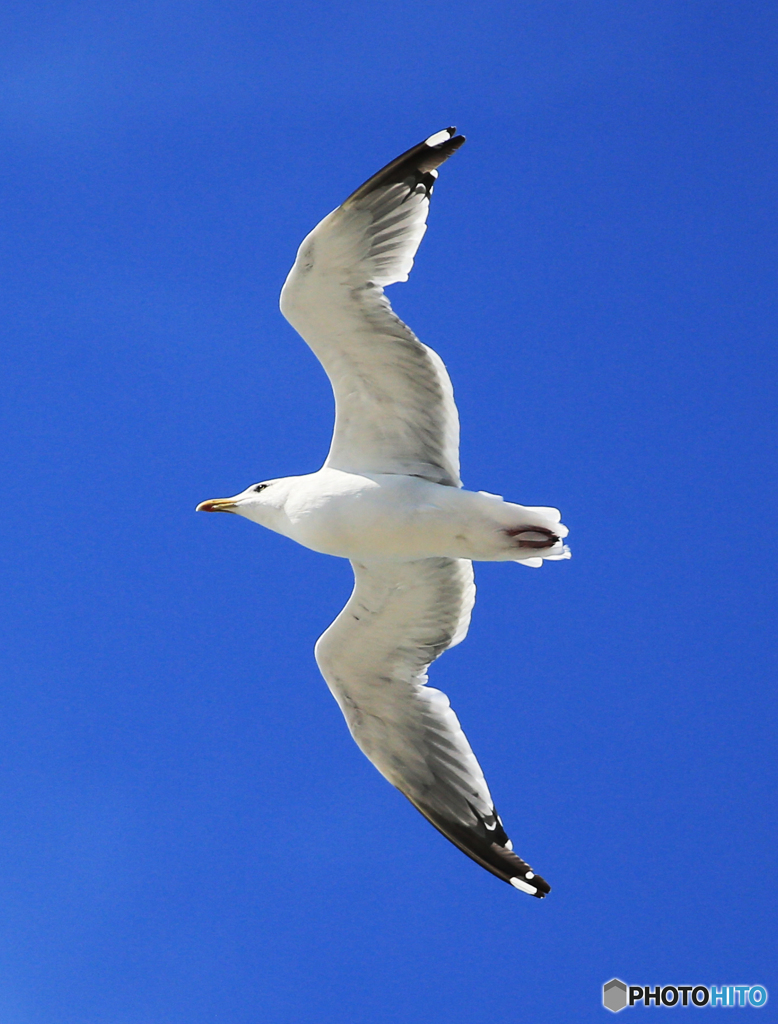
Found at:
(614, 995)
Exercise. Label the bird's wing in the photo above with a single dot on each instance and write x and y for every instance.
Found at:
(374, 657)
(395, 410)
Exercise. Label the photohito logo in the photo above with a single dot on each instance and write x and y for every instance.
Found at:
(616, 995)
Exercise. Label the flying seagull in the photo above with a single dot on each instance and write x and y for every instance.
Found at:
(389, 498)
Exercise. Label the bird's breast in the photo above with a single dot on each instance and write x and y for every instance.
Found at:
(361, 517)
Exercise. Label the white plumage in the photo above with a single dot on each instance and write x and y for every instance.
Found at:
(389, 498)
(395, 410)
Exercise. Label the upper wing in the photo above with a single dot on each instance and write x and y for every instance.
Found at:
(395, 410)
(374, 657)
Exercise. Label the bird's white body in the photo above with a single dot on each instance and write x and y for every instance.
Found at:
(390, 499)
(366, 516)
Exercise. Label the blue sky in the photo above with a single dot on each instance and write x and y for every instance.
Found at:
(188, 834)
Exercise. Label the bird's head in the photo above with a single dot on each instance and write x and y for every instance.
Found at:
(262, 503)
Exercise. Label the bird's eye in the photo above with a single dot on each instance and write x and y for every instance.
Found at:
(259, 487)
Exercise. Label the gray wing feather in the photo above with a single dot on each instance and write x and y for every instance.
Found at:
(395, 410)
(374, 657)
(401, 616)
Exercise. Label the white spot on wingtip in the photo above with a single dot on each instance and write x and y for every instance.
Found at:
(530, 874)
(508, 844)
(438, 137)
(519, 883)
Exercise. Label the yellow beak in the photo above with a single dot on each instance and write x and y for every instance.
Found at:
(216, 505)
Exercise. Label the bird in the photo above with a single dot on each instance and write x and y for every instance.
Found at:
(390, 499)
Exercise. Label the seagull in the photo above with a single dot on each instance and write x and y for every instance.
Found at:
(389, 498)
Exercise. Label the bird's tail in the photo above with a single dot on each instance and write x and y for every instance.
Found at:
(540, 535)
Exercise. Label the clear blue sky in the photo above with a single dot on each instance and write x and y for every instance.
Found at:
(188, 834)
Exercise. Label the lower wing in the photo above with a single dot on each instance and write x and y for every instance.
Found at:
(374, 657)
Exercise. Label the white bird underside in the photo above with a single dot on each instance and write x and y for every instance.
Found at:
(395, 414)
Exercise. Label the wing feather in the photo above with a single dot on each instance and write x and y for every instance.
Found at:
(374, 657)
(395, 410)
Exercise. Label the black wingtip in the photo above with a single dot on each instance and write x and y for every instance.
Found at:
(419, 164)
(487, 844)
(519, 874)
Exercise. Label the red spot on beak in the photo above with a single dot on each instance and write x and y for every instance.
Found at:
(216, 505)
